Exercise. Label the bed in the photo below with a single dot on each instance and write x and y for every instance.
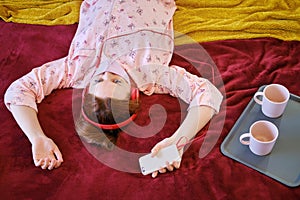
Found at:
(251, 44)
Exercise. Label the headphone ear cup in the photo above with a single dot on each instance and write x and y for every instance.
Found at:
(135, 94)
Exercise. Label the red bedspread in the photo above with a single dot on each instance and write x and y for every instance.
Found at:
(243, 65)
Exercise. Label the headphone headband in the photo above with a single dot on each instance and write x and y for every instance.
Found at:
(134, 96)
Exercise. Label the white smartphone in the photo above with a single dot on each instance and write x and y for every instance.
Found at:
(149, 164)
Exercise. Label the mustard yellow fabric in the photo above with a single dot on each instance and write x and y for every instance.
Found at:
(208, 20)
(45, 12)
(201, 20)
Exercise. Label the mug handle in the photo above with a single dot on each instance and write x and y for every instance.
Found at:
(245, 142)
(256, 97)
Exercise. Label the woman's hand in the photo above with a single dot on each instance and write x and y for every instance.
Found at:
(170, 166)
(195, 120)
(45, 153)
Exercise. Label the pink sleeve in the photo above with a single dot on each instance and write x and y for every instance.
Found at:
(194, 90)
(40, 82)
(71, 71)
(176, 81)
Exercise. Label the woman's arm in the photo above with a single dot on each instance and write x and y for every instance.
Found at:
(204, 101)
(44, 151)
(196, 119)
(21, 97)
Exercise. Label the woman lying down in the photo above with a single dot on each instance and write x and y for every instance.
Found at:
(120, 48)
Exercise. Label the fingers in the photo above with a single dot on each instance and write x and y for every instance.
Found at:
(169, 167)
(52, 164)
(49, 159)
(156, 149)
(164, 143)
(58, 155)
(176, 164)
(37, 162)
(43, 163)
(46, 163)
(49, 163)
(162, 170)
(154, 174)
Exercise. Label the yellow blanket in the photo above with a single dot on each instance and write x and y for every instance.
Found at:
(207, 20)
(45, 12)
(202, 20)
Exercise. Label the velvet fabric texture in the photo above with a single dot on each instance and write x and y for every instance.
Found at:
(242, 67)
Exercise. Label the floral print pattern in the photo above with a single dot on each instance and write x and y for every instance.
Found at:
(136, 34)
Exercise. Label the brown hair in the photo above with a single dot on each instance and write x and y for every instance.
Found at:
(103, 111)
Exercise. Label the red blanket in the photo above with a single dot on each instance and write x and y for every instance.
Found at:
(242, 66)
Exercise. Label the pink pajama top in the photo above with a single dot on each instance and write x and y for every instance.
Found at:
(137, 35)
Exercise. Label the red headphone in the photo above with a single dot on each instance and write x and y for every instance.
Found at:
(134, 96)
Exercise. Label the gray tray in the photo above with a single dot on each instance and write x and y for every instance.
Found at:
(283, 163)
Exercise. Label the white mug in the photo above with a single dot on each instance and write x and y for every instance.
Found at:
(262, 137)
(274, 100)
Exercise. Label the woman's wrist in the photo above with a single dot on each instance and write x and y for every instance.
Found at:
(178, 139)
(35, 138)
